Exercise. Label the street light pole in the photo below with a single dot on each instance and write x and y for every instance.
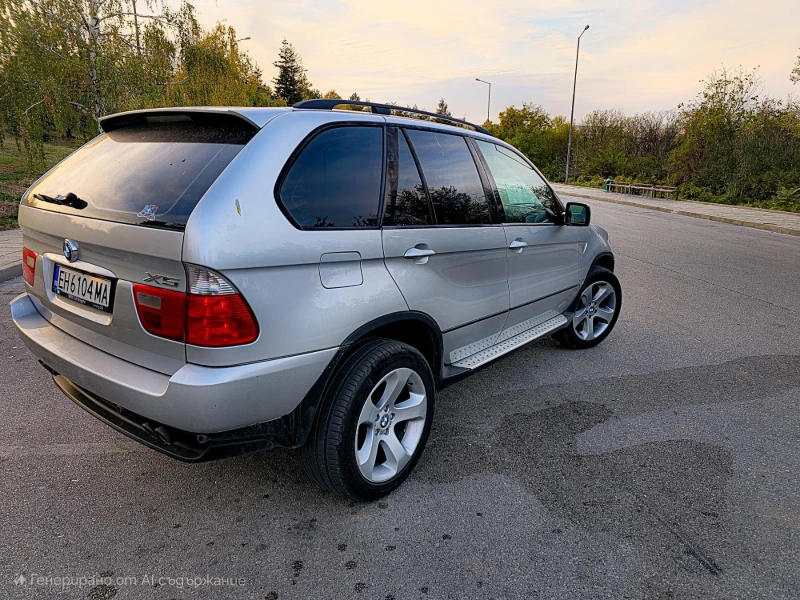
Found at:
(572, 113)
(489, 103)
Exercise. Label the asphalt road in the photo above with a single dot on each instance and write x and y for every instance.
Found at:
(662, 464)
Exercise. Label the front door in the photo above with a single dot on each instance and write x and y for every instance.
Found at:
(543, 255)
(440, 247)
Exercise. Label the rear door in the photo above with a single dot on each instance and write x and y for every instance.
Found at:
(441, 248)
(543, 255)
(112, 214)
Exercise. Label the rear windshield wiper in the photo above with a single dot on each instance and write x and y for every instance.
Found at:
(69, 200)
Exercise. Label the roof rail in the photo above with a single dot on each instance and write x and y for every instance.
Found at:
(383, 109)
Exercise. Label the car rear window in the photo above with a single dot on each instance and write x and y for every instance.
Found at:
(152, 171)
(336, 179)
(452, 178)
(406, 199)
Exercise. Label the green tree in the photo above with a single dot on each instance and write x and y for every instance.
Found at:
(66, 63)
(212, 71)
(795, 76)
(442, 109)
(60, 70)
(737, 146)
(528, 128)
(600, 144)
(713, 124)
(291, 83)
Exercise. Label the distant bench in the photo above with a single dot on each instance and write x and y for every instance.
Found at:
(642, 189)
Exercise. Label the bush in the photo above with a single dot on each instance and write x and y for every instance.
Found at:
(786, 199)
(689, 191)
(729, 145)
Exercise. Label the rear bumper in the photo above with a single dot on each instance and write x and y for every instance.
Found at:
(195, 400)
(181, 445)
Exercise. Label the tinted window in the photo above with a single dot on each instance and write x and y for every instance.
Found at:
(336, 180)
(406, 200)
(452, 177)
(151, 173)
(525, 195)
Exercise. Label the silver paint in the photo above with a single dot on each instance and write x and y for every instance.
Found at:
(194, 398)
(460, 285)
(488, 288)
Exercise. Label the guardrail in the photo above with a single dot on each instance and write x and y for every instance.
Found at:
(642, 189)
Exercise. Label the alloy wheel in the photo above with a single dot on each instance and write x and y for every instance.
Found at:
(598, 303)
(390, 425)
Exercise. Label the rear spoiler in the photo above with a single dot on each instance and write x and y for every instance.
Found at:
(163, 115)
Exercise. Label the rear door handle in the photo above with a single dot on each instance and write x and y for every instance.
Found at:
(518, 245)
(419, 253)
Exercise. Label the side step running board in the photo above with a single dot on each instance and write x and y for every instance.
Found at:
(507, 345)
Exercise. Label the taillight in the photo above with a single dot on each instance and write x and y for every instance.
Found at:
(162, 312)
(28, 265)
(212, 314)
(217, 314)
(219, 321)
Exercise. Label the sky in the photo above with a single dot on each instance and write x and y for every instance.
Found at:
(637, 56)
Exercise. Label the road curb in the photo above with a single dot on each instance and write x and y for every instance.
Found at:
(10, 272)
(764, 226)
(697, 202)
(685, 213)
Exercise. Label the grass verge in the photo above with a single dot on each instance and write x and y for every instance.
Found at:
(15, 177)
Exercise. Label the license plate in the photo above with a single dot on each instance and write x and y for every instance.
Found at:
(97, 292)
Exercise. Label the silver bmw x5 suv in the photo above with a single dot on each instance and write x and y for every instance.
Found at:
(215, 281)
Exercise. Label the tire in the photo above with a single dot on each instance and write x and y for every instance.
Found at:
(593, 321)
(364, 452)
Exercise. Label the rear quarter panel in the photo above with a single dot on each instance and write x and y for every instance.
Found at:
(239, 230)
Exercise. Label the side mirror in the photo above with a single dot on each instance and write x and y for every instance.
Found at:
(577, 214)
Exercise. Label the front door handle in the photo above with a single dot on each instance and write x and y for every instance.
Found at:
(419, 253)
(518, 245)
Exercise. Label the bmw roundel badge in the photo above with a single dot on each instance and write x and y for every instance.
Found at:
(71, 250)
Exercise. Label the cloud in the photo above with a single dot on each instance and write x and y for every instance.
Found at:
(636, 56)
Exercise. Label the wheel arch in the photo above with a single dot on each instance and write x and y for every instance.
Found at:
(414, 328)
(605, 260)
